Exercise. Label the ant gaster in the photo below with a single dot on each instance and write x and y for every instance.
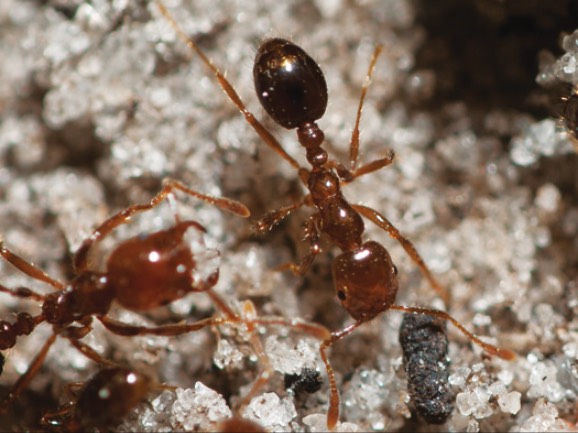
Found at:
(141, 273)
(292, 89)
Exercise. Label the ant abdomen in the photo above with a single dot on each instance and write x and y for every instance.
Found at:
(289, 83)
(365, 280)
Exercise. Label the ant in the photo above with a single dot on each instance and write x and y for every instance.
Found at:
(292, 89)
(134, 274)
(424, 343)
(102, 401)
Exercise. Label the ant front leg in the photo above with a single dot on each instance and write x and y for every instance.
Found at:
(386, 225)
(74, 334)
(272, 218)
(354, 143)
(312, 234)
(506, 354)
(348, 175)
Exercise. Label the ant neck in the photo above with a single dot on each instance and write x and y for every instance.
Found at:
(311, 138)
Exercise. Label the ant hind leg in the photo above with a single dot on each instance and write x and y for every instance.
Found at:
(409, 248)
(506, 354)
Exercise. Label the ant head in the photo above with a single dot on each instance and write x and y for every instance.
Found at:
(289, 84)
(365, 280)
(149, 271)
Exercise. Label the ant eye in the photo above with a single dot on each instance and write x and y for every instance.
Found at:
(341, 295)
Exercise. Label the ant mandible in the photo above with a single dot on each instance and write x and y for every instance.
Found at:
(291, 88)
(141, 273)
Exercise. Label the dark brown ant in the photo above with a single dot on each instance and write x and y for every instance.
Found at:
(424, 343)
(135, 271)
(292, 89)
(101, 401)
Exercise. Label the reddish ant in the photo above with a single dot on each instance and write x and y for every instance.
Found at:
(292, 89)
(135, 272)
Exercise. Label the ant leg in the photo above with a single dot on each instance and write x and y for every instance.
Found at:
(328, 339)
(25, 379)
(223, 203)
(80, 258)
(90, 353)
(506, 354)
(28, 268)
(127, 330)
(74, 333)
(249, 316)
(354, 143)
(22, 292)
(272, 218)
(221, 305)
(71, 390)
(229, 90)
(51, 418)
(311, 233)
(349, 175)
(384, 223)
(334, 400)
